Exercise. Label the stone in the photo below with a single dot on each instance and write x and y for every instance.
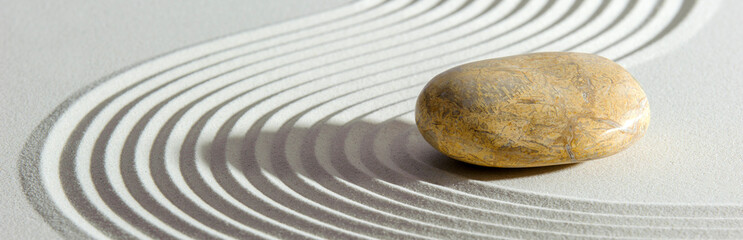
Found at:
(533, 110)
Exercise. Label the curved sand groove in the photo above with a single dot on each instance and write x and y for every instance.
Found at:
(303, 130)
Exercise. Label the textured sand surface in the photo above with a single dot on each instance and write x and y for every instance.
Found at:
(304, 128)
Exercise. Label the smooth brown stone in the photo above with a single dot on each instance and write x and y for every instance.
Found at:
(533, 110)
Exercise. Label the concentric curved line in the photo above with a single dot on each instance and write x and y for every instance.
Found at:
(336, 158)
(684, 10)
(127, 141)
(639, 15)
(155, 154)
(44, 204)
(156, 145)
(368, 154)
(301, 130)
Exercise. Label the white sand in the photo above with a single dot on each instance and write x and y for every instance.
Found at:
(303, 128)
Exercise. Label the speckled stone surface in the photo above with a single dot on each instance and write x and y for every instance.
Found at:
(533, 110)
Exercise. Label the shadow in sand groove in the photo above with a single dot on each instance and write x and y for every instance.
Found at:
(358, 161)
(304, 131)
(337, 154)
